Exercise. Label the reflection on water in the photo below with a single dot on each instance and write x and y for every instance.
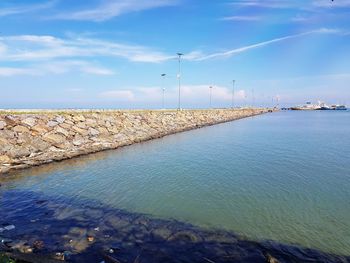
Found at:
(283, 176)
(87, 231)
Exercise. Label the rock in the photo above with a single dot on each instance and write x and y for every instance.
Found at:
(271, 259)
(60, 119)
(21, 129)
(18, 152)
(40, 144)
(81, 125)
(2, 125)
(54, 139)
(10, 120)
(40, 128)
(78, 118)
(80, 131)
(103, 130)
(4, 159)
(52, 123)
(38, 244)
(93, 132)
(29, 121)
(58, 129)
(78, 140)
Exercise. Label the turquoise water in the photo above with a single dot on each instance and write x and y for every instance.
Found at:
(283, 176)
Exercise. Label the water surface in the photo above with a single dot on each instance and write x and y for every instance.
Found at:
(283, 176)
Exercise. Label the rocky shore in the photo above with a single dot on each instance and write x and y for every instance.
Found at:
(38, 137)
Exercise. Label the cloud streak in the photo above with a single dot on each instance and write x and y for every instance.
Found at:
(34, 48)
(113, 8)
(242, 18)
(58, 67)
(25, 9)
(232, 52)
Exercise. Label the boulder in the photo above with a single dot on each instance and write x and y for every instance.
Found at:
(59, 129)
(54, 139)
(2, 125)
(78, 118)
(10, 120)
(80, 131)
(30, 121)
(40, 128)
(52, 123)
(60, 119)
(4, 159)
(18, 152)
(20, 129)
(93, 132)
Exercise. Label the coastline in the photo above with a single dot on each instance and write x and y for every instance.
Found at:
(36, 137)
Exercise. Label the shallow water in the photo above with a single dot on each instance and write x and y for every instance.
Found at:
(283, 176)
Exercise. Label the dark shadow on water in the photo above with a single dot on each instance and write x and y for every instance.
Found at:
(65, 226)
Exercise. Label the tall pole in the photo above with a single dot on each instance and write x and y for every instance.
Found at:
(233, 94)
(253, 98)
(163, 88)
(210, 89)
(179, 78)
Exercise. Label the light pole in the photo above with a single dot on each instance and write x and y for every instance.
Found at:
(163, 88)
(179, 78)
(210, 90)
(233, 94)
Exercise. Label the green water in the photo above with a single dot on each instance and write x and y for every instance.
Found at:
(283, 176)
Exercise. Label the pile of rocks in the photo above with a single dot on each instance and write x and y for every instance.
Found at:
(32, 139)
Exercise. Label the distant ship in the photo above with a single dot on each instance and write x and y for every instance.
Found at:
(307, 106)
(319, 106)
(339, 107)
(333, 107)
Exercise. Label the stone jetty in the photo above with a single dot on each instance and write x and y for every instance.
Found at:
(30, 138)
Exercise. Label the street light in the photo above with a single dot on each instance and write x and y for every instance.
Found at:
(210, 89)
(179, 78)
(163, 88)
(233, 93)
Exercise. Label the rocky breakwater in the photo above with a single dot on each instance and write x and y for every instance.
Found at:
(38, 137)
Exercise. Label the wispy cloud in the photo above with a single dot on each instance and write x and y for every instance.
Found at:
(56, 67)
(232, 52)
(34, 48)
(242, 18)
(21, 9)
(263, 3)
(199, 93)
(113, 8)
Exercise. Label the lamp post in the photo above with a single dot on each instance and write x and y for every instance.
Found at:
(233, 94)
(163, 89)
(179, 78)
(210, 91)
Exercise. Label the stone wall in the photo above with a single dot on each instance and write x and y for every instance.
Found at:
(34, 138)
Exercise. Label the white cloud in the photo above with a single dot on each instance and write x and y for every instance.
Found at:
(25, 8)
(120, 95)
(190, 94)
(34, 47)
(56, 67)
(9, 72)
(263, 3)
(113, 8)
(242, 18)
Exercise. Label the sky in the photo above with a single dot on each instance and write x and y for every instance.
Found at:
(111, 53)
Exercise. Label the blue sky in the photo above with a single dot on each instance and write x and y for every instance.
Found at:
(111, 53)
